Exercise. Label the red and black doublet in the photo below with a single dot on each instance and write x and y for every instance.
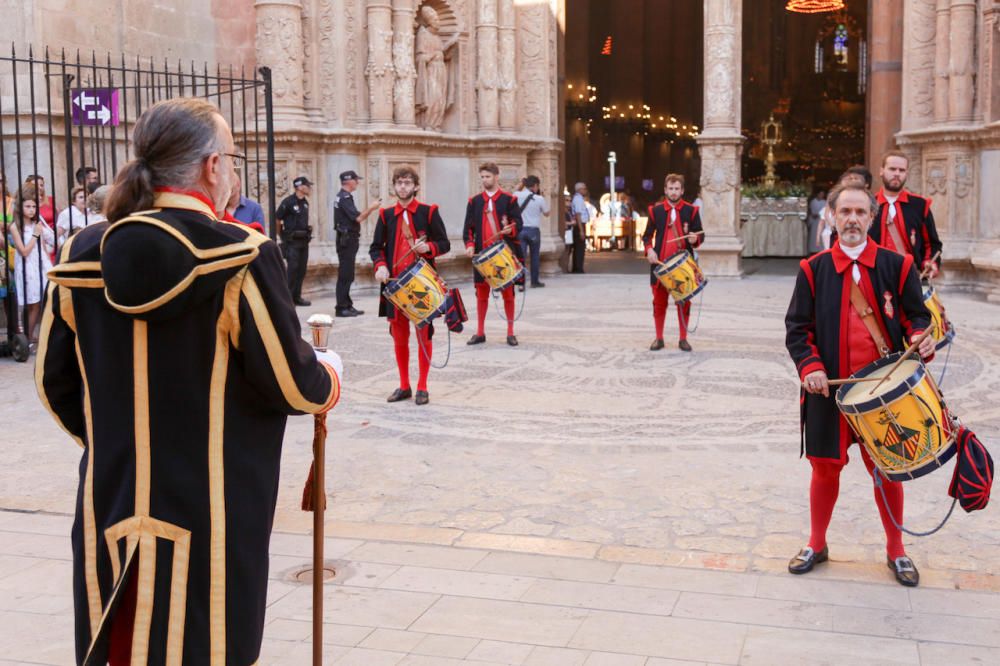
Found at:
(667, 223)
(914, 227)
(171, 353)
(391, 248)
(825, 332)
(484, 216)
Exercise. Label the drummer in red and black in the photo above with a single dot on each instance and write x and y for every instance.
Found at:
(671, 229)
(408, 231)
(904, 222)
(490, 216)
(827, 337)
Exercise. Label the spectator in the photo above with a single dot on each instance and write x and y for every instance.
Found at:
(816, 205)
(31, 266)
(569, 221)
(75, 216)
(244, 209)
(533, 207)
(857, 174)
(45, 209)
(581, 216)
(95, 204)
(87, 178)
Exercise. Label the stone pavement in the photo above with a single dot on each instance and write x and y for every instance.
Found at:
(577, 499)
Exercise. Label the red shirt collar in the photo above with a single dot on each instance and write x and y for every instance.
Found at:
(904, 196)
(411, 207)
(841, 262)
(495, 195)
(677, 206)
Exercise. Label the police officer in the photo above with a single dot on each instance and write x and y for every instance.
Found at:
(347, 222)
(293, 226)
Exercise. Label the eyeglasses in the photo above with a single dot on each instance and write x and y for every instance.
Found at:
(238, 159)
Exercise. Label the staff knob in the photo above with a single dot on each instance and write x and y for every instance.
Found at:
(320, 325)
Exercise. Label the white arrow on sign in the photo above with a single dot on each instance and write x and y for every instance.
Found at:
(83, 101)
(104, 115)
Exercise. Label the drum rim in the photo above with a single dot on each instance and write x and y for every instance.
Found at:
(947, 339)
(485, 253)
(875, 402)
(666, 265)
(945, 453)
(692, 294)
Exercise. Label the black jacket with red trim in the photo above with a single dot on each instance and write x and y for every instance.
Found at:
(816, 327)
(505, 205)
(688, 221)
(921, 232)
(427, 223)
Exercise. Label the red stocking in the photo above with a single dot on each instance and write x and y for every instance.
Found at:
(893, 493)
(659, 308)
(482, 306)
(823, 491)
(400, 330)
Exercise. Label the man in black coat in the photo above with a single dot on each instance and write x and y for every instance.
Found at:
(828, 337)
(172, 355)
(489, 217)
(408, 231)
(904, 221)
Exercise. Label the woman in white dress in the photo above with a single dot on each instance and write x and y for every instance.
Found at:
(31, 266)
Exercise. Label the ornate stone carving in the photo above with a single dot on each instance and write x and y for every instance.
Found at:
(964, 176)
(435, 78)
(533, 67)
(507, 73)
(374, 178)
(918, 63)
(379, 70)
(308, 67)
(722, 59)
(487, 78)
(350, 57)
(279, 46)
(961, 75)
(937, 177)
(402, 60)
(327, 61)
(943, 12)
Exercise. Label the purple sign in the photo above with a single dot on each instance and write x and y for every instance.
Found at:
(94, 106)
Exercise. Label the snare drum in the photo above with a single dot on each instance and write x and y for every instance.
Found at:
(498, 265)
(418, 292)
(681, 276)
(943, 332)
(904, 424)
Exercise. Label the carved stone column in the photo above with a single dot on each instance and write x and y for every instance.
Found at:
(487, 72)
(403, 13)
(380, 70)
(885, 83)
(508, 70)
(279, 46)
(941, 44)
(720, 143)
(961, 64)
(918, 64)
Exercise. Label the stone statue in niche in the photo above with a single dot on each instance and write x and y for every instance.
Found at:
(435, 80)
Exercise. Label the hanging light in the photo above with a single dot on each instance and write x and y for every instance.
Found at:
(814, 6)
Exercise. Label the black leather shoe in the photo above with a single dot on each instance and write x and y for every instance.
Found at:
(355, 312)
(684, 345)
(512, 340)
(345, 313)
(905, 570)
(476, 340)
(657, 345)
(537, 284)
(400, 394)
(422, 398)
(302, 301)
(807, 559)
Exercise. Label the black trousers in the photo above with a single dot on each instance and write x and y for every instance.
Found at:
(297, 256)
(347, 254)
(579, 248)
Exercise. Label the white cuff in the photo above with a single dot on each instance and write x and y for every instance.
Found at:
(333, 360)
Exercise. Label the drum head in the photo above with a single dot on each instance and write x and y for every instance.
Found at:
(860, 392)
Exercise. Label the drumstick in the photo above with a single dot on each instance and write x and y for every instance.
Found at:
(410, 251)
(841, 382)
(907, 354)
(924, 273)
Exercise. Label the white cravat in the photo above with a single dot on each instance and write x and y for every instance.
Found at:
(854, 253)
(673, 215)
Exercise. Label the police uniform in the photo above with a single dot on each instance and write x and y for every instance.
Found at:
(171, 353)
(295, 236)
(348, 228)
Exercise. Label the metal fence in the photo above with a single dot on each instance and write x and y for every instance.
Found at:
(62, 112)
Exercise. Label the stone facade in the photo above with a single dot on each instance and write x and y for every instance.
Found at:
(951, 130)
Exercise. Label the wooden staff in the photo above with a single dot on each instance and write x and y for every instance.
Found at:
(907, 354)
(314, 496)
(927, 271)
